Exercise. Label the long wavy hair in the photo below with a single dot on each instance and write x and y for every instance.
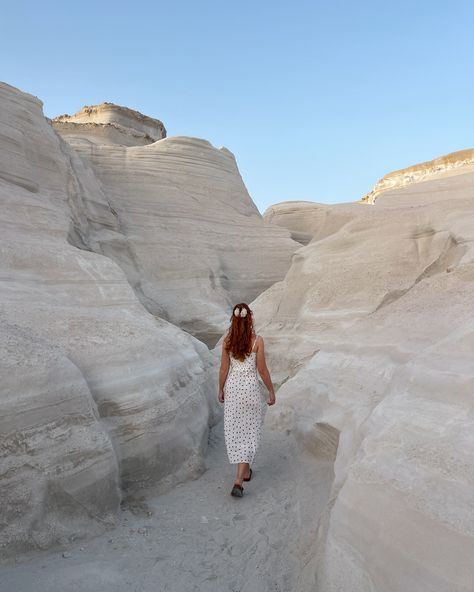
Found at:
(238, 341)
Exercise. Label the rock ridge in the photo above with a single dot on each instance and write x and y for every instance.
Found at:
(461, 161)
(184, 213)
(113, 124)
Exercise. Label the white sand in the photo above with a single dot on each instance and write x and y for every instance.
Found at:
(197, 537)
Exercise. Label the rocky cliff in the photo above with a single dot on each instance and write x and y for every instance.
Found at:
(445, 166)
(87, 373)
(372, 333)
(99, 395)
(109, 231)
(192, 231)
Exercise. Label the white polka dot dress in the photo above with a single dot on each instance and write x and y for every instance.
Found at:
(243, 409)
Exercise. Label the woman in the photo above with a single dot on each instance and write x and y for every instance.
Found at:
(239, 389)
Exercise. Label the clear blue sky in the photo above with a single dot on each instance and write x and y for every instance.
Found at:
(316, 99)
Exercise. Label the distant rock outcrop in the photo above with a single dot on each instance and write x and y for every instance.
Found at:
(454, 163)
(196, 242)
(109, 123)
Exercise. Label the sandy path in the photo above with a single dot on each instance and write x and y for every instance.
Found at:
(197, 537)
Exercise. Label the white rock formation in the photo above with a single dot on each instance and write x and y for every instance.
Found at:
(96, 393)
(308, 220)
(197, 243)
(111, 124)
(459, 162)
(372, 335)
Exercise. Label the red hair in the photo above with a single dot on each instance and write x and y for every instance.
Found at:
(238, 341)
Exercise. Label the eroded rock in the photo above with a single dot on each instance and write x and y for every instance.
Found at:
(371, 334)
(97, 395)
(196, 243)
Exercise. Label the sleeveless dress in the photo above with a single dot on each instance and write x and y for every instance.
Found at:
(243, 409)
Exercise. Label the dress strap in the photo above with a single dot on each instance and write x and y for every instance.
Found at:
(254, 341)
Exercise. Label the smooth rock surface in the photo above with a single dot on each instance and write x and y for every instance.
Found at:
(97, 395)
(373, 259)
(309, 220)
(371, 333)
(197, 243)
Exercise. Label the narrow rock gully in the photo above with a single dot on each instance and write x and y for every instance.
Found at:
(197, 537)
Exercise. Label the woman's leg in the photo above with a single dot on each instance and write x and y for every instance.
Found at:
(243, 470)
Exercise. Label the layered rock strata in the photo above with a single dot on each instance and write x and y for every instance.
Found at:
(459, 162)
(111, 124)
(196, 242)
(371, 335)
(97, 395)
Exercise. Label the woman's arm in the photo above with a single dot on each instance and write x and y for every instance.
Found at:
(224, 370)
(263, 371)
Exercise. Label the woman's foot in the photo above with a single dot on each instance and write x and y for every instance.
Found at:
(249, 475)
(237, 490)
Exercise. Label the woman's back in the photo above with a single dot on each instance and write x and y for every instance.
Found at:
(246, 366)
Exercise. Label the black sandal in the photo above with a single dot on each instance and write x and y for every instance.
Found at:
(249, 477)
(237, 490)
